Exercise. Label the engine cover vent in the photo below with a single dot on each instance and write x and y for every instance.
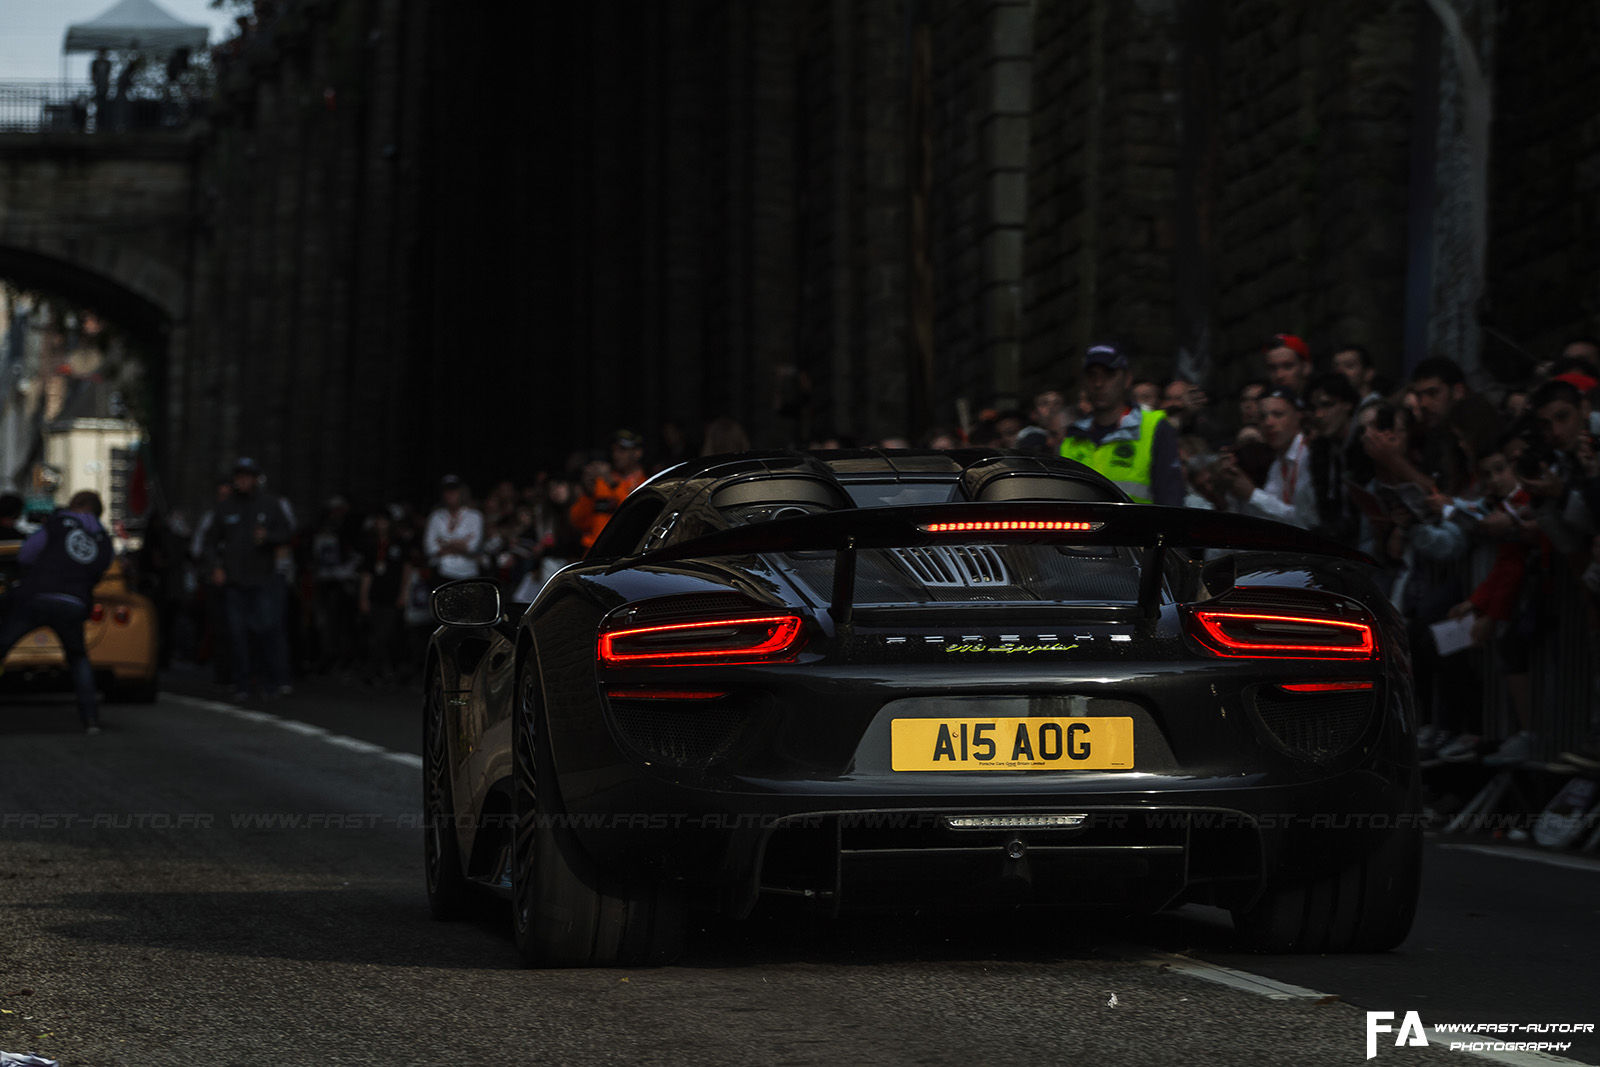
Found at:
(955, 566)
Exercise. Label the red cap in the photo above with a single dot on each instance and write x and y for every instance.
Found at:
(1291, 342)
(1578, 380)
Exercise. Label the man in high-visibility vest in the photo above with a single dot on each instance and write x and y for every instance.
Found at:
(605, 488)
(1133, 446)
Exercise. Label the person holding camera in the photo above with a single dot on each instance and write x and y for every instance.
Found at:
(1504, 610)
(1286, 494)
(65, 559)
(606, 487)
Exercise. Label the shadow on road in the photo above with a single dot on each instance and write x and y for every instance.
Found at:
(1022, 936)
(377, 926)
(337, 924)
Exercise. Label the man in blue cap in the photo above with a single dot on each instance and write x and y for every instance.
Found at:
(242, 545)
(1133, 446)
(65, 559)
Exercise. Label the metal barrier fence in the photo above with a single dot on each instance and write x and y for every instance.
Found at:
(1560, 662)
(70, 107)
(1562, 666)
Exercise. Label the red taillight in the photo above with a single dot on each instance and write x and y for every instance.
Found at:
(1271, 635)
(664, 694)
(765, 639)
(121, 616)
(1001, 526)
(1324, 687)
(97, 613)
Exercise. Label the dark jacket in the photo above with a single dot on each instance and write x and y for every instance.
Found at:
(65, 557)
(232, 542)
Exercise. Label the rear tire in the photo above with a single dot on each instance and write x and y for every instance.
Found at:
(1366, 907)
(565, 912)
(450, 895)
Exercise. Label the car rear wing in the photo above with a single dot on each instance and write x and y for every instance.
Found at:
(1146, 526)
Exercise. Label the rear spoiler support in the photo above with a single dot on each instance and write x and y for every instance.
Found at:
(1150, 567)
(844, 584)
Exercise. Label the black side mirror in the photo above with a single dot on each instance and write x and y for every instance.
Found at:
(468, 602)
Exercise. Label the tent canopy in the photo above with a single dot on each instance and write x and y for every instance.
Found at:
(135, 25)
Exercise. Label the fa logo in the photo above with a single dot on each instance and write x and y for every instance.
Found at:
(1411, 1025)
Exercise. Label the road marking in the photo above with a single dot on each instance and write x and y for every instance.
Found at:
(1270, 988)
(306, 729)
(355, 744)
(1575, 863)
(1273, 989)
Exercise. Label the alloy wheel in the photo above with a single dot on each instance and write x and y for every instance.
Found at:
(436, 798)
(524, 847)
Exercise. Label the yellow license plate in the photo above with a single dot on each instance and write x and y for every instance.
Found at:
(1011, 744)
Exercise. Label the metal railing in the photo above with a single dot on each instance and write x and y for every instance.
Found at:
(1561, 701)
(71, 107)
(28, 106)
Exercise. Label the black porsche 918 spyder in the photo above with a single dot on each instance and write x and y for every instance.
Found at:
(895, 679)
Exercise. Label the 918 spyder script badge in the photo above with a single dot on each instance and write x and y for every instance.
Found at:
(1004, 645)
(1008, 650)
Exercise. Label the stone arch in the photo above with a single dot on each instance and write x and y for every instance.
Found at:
(108, 221)
(141, 296)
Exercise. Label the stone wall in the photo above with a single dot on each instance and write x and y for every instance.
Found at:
(423, 248)
(1314, 101)
(306, 352)
(1544, 255)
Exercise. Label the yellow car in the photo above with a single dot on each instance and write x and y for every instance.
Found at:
(121, 635)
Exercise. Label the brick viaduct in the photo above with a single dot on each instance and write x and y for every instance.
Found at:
(429, 235)
(106, 221)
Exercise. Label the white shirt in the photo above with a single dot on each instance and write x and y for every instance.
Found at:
(1288, 482)
(464, 525)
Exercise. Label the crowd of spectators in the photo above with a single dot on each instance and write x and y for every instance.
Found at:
(357, 585)
(1480, 507)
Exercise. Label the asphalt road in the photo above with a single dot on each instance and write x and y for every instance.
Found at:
(201, 886)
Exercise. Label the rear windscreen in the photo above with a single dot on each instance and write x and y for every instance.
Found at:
(978, 573)
(901, 494)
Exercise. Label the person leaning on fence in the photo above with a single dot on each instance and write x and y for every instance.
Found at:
(1570, 481)
(65, 558)
(1504, 605)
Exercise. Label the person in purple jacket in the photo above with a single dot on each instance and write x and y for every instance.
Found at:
(64, 559)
